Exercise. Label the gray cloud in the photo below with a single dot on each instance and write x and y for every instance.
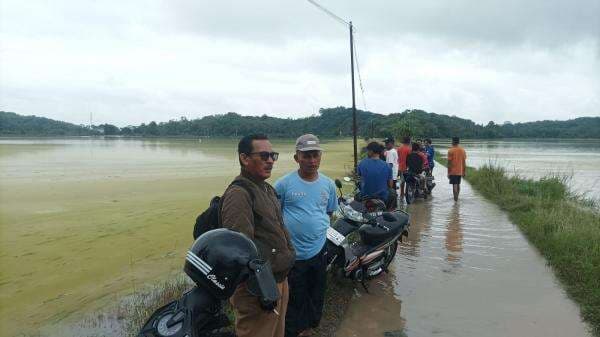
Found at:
(544, 22)
(135, 61)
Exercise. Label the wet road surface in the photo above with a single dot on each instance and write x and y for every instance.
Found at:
(465, 270)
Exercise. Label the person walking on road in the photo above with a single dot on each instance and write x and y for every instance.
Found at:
(457, 165)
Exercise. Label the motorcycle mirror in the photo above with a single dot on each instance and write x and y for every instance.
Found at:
(338, 183)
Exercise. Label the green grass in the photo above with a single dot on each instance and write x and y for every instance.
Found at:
(563, 226)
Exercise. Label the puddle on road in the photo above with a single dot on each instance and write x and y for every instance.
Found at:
(464, 271)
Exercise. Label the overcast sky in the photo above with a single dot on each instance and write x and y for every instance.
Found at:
(129, 62)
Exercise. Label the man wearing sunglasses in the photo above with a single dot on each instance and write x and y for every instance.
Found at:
(308, 199)
(250, 206)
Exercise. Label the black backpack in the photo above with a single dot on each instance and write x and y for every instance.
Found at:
(211, 217)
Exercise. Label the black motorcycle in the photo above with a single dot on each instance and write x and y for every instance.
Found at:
(429, 181)
(363, 240)
(414, 188)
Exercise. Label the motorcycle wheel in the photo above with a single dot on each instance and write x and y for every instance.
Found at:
(388, 257)
(390, 254)
(410, 193)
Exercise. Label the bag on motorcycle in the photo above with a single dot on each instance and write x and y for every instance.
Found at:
(209, 219)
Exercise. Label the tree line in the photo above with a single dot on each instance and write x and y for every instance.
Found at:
(329, 122)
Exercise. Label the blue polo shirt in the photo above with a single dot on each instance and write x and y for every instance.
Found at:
(374, 176)
(305, 205)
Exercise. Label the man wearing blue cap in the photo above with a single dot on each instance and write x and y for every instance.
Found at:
(307, 200)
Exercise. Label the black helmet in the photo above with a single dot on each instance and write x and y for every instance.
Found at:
(218, 261)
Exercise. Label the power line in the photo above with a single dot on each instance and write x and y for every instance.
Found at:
(328, 12)
(339, 19)
(362, 89)
(353, 54)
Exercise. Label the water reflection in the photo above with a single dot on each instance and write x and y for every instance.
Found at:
(420, 228)
(454, 236)
(377, 313)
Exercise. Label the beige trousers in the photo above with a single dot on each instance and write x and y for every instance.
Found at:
(252, 321)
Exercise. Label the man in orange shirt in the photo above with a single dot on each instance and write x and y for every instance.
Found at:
(457, 165)
(403, 152)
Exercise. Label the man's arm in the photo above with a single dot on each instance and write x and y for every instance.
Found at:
(332, 202)
(236, 211)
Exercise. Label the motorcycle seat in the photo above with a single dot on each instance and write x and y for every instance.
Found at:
(391, 224)
(344, 227)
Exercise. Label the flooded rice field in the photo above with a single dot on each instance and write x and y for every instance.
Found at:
(464, 271)
(86, 222)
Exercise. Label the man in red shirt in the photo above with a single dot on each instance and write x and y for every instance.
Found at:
(403, 151)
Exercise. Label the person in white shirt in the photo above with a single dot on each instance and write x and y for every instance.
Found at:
(391, 157)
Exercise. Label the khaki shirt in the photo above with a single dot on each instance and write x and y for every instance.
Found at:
(264, 226)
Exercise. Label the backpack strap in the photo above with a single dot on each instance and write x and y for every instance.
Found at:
(244, 185)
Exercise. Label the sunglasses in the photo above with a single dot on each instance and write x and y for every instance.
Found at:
(265, 155)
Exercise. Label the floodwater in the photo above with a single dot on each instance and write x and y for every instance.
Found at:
(577, 160)
(84, 222)
(464, 271)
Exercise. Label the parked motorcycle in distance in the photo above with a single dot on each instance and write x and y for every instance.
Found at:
(363, 240)
(430, 181)
(414, 188)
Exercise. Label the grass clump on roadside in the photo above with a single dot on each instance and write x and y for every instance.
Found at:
(564, 227)
(127, 318)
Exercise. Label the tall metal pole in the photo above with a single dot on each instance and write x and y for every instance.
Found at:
(354, 130)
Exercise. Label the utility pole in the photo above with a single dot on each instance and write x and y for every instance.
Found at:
(354, 131)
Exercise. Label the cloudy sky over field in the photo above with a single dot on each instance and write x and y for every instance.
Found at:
(129, 62)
